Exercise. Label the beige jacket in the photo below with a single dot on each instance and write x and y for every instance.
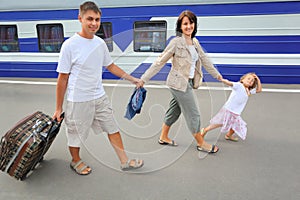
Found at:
(181, 64)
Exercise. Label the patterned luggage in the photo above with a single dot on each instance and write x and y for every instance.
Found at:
(24, 145)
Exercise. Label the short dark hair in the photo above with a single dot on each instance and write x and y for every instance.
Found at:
(193, 19)
(89, 5)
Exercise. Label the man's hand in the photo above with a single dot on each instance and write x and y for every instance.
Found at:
(140, 83)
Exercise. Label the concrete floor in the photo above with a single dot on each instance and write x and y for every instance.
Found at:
(264, 166)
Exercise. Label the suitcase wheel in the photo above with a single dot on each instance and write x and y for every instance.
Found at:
(23, 177)
(42, 158)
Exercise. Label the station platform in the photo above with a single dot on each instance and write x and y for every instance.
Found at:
(265, 166)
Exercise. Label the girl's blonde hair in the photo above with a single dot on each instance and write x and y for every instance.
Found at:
(254, 83)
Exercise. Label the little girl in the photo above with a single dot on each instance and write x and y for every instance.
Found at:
(229, 117)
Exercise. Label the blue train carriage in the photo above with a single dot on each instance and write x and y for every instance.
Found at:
(239, 35)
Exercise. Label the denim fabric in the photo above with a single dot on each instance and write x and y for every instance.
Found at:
(135, 103)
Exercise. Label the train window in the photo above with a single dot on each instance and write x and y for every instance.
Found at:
(9, 41)
(150, 36)
(50, 36)
(105, 32)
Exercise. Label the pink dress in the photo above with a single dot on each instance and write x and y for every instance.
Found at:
(230, 120)
(230, 114)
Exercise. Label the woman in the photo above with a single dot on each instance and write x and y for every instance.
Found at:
(185, 74)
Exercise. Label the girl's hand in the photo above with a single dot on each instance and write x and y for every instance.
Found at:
(226, 82)
(259, 86)
(255, 76)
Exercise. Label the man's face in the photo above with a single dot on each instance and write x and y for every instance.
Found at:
(90, 22)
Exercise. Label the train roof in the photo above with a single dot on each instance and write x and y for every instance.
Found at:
(21, 5)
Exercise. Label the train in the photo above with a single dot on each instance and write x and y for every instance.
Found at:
(239, 36)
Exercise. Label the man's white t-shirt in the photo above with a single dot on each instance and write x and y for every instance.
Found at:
(238, 98)
(83, 59)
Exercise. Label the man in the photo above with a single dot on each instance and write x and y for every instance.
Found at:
(80, 74)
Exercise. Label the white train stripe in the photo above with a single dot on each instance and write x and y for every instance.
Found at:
(275, 90)
(246, 25)
(138, 58)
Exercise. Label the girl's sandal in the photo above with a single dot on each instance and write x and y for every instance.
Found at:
(132, 164)
(231, 138)
(202, 132)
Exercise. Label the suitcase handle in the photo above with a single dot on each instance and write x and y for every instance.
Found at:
(38, 130)
(53, 122)
(62, 115)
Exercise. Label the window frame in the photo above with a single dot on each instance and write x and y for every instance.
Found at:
(159, 27)
(15, 40)
(108, 40)
(56, 45)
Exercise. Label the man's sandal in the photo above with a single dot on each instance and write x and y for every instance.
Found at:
(80, 170)
(214, 149)
(132, 164)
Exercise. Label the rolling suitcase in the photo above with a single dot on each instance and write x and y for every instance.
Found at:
(24, 145)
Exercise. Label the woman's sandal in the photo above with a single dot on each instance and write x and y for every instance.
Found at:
(137, 163)
(80, 170)
(172, 143)
(214, 149)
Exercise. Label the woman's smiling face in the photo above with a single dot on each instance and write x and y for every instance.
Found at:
(187, 26)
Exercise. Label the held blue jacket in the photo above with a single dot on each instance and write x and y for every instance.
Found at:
(135, 103)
